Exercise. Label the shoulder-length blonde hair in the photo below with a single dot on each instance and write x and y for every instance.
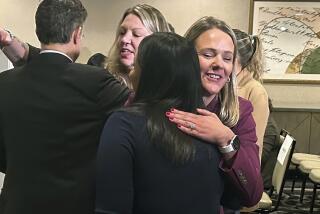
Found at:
(229, 113)
(153, 20)
(250, 53)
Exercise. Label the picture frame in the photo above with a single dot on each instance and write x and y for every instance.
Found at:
(290, 34)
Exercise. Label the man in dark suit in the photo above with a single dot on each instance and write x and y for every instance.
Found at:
(51, 114)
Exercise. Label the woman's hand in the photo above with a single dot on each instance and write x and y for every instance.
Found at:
(5, 37)
(206, 126)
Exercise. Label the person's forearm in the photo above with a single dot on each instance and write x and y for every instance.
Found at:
(245, 174)
(16, 51)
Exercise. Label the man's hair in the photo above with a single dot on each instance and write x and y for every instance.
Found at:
(97, 59)
(57, 19)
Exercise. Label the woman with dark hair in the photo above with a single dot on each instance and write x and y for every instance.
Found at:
(97, 59)
(144, 163)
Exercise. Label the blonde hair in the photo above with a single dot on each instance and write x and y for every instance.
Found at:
(153, 20)
(256, 65)
(229, 113)
(250, 54)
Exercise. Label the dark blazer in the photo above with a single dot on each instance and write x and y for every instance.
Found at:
(51, 114)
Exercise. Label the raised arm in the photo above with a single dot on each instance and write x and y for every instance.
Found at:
(16, 50)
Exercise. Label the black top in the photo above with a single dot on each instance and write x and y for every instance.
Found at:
(51, 115)
(134, 177)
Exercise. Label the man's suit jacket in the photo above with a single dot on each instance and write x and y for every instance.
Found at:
(51, 114)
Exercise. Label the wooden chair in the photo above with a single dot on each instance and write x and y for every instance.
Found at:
(279, 175)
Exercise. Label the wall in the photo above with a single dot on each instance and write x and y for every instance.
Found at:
(296, 95)
(104, 16)
(1, 180)
(5, 64)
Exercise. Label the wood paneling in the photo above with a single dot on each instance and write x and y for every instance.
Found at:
(304, 126)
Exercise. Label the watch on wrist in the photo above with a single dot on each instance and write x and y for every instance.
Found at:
(234, 145)
(10, 34)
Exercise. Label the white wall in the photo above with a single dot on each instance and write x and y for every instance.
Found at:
(104, 16)
(1, 180)
(4, 62)
(294, 95)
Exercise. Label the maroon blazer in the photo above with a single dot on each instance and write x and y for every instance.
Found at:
(244, 175)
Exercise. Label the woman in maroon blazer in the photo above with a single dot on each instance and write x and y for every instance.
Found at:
(228, 120)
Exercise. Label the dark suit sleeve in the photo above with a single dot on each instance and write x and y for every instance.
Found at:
(244, 174)
(33, 52)
(2, 154)
(114, 178)
(112, 94)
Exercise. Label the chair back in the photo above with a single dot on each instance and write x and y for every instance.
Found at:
(283, 135)
(283, 162)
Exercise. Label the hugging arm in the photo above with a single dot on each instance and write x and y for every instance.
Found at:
(244, 173)
(242, 168)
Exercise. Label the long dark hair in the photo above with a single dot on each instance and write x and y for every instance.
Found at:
(169, 78)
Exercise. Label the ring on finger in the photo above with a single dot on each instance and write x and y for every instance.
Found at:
(192, 126)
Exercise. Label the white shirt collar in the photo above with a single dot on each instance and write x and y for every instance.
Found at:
(54, 51)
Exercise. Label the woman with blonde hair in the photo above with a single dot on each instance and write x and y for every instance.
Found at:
(249, 70)
(227, 121)
(136, 23)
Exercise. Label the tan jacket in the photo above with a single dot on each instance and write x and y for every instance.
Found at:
(253, 91)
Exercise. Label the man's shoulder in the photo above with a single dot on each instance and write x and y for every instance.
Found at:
(10, 72)
(88, 70)
(95, 78)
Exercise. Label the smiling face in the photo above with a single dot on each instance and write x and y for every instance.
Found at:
(131, 33)
(216, 50)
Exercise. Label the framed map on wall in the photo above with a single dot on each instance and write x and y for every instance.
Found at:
(290, 34)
